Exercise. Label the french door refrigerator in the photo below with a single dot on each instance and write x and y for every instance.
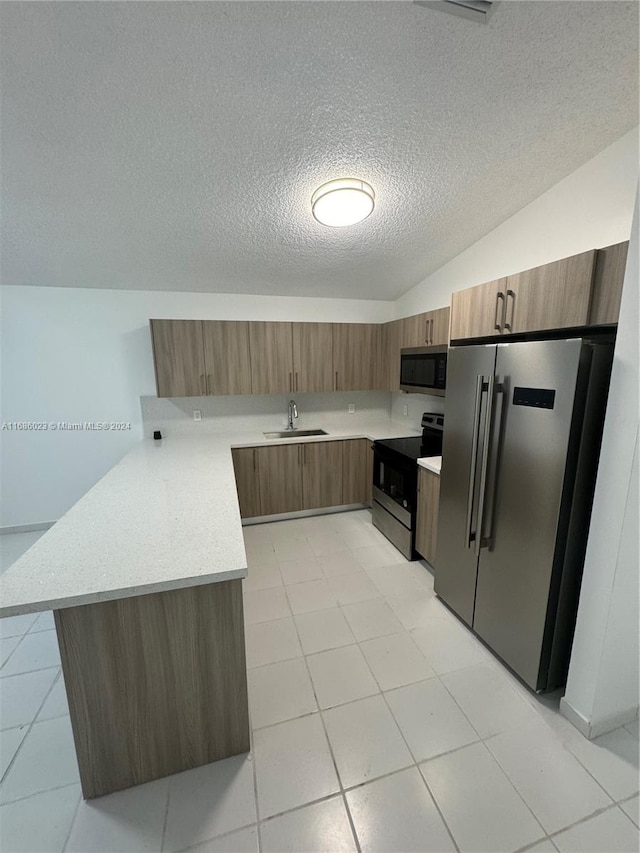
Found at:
(520, 454)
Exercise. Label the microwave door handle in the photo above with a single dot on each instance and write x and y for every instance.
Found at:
(469, 535)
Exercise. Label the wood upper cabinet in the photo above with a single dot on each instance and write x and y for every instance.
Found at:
(271, 358)
(227, 357)
(312, 357)
(391, 341)
(355, 471)
(478, 312)
(178, 357)
(611, 263)
(427, 514)
(245, 466)
(279, 478)
(553, 296)
(355, 356)
(321, 474)
(428, 329)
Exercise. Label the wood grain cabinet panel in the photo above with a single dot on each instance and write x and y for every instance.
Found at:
(321, 474)
(553, 296)
(415, 330)
(355, 351)
(227, 357)
(245, 466)
(355, 471)
(312, 357)
(271, 358)
(478, 312)
(439, 327)
(391, 345)
(156, 683)
(178, 357)
(280, 478)
(611, 263)
(427, 514)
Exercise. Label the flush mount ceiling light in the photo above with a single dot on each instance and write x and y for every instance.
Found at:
(344, 201)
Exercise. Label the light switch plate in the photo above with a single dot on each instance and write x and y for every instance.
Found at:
(197, 415)
(352, 409)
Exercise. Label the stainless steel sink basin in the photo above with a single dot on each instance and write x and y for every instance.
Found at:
(297, 433)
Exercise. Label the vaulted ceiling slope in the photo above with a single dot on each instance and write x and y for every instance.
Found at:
(175, 146)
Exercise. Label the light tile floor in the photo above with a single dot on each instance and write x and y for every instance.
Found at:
(379, 723)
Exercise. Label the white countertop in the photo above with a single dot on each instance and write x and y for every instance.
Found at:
(165, 517)
(431, 463)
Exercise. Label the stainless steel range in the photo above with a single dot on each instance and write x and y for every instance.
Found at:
(395, 482)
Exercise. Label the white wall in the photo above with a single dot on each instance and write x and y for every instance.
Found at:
(590, 208)
(602, 688)
(76, 355)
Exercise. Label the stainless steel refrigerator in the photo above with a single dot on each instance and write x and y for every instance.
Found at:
(520, 454)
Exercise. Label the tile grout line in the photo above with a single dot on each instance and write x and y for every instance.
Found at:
(331, 753)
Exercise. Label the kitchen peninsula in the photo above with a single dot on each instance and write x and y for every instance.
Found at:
(144, 575)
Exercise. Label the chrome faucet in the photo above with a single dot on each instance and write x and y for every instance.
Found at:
(293, 413)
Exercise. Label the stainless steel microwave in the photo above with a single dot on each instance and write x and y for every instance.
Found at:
(423, 370)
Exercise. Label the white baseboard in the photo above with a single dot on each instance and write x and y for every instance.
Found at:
(593, 729)
(26, 528)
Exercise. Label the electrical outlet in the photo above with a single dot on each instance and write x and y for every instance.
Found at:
(197, 415)
(352, 409)
(405, 410)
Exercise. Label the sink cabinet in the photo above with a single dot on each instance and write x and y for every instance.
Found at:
(427, 514)
(285, 478)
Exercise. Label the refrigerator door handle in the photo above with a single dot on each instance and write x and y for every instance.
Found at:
(468, 533)
(486, 447)
(485, 525)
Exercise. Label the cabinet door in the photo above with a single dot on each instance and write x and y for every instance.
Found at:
(391, 340)
(439, 327)
(312, 357)
(355, 471)
(415, 330)
(280, 478)
(321, 474)
(178, 357)
(245, 466)
(478, 312)
(553, 296)
(611, 263)
(271, 358)
(354, 355)
(226, 357)
(427, 515)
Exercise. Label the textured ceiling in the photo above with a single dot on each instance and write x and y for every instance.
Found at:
(175, 146)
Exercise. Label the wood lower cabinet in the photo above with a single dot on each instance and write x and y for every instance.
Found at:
(553, 296)
(611, 263)
(427, 514)
(355, 471)
(271, 358)
(245, 466)
(279, 478)
(178, 358)
(227, 357)
(312, 357)
(322, 469)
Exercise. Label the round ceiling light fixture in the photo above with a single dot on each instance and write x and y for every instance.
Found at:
(344, 201)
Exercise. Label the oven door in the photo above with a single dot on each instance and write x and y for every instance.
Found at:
(395, 484)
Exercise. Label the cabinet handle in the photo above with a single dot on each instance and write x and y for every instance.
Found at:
(290, 381)
(254, 460)
(509, 325)
(209, 384)
(296, 380)
(203, 389)
(499, 313)
(426, 331)
(431, 333)
(336, 380)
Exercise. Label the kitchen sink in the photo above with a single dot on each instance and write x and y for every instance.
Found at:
(297, 433)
